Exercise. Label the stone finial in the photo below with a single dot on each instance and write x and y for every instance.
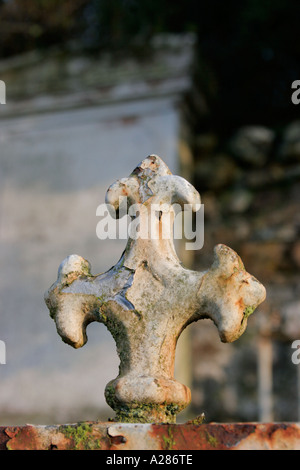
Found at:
(148, 298)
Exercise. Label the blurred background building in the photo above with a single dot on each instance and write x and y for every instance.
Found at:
(94, 86)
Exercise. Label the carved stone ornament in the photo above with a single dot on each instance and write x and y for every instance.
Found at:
(148, 298)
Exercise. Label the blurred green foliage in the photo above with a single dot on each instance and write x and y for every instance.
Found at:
(248, 52)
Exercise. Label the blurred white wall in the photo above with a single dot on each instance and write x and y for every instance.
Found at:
(55, 167)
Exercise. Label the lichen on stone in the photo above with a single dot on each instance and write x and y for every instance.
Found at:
(249, 310)
(82, 436)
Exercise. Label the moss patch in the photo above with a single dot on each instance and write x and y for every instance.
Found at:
(141, 413)
(248, 311)
(82, 436)
(102, 298)
(213, 441)
(198, 420)
(169, 441)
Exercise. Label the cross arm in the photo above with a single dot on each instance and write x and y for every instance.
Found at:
(228, 294)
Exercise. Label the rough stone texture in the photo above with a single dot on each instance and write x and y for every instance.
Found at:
(148, 298)
(118, 437)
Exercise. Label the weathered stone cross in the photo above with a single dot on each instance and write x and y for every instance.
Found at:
(148, 298)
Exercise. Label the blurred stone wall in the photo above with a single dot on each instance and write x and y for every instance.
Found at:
(250, 189)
